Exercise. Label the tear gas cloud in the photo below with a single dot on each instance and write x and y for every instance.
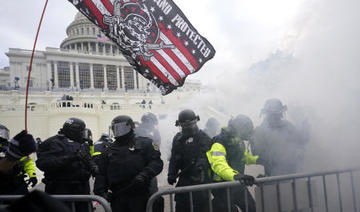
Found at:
(316, 75)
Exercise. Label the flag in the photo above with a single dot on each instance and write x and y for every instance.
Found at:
(153, 35)
(102, 38)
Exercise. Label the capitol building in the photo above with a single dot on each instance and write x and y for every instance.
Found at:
(87, 77)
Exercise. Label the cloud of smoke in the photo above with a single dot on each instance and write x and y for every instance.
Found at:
(316, 75)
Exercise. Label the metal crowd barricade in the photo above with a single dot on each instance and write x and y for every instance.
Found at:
(190, 190)
(334, 190)
(72, 199)
(323, 191)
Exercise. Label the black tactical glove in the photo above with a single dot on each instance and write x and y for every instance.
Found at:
(21, 145)
(247, 180)
(138, 183)
(32, 181)
(171, 179)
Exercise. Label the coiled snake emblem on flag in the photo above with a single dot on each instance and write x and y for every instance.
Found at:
(134, 28)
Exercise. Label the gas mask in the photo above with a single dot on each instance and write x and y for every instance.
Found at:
(189, 128)
(274, 119)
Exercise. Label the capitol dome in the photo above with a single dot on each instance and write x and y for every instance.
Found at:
(83, 35)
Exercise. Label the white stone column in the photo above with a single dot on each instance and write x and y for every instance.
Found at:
(91, 76)
(82, 46)
(56, 80)
(48, 77)
(77, 76)
(97, 47)
(111, 49)
(117, 78)
(71, 75)
(105, 78)
(122, 77)
(135, 82)
(89, 47)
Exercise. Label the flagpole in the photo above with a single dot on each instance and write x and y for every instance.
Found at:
(31, 60)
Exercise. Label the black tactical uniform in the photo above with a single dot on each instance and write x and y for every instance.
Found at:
(279, 144)
(103, 143)
(65, 161)
(100, 146)
(188, 155)
(126, 168)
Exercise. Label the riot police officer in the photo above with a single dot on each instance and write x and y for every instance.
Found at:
(24, 166)
(228, 157)
(101, 144)
(188, 161)
(148, 128)
(278, 143)
(11, 180)
(126, 168)
(66, 163)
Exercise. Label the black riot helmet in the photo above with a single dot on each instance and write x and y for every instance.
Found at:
(274, 111)
(122, 125)
(149, 118)
(241, 126)
(105, 136)
(273, 106)
(186, 116)
(4, 133)
(73, 129)
(187, 121)
(212, 124)
(212, 127)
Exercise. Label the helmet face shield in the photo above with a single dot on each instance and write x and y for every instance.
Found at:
(120, 129)
(4, 134)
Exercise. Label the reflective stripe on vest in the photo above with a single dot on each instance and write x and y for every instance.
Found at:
(218, 153)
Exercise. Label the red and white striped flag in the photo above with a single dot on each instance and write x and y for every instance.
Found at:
(154, 36)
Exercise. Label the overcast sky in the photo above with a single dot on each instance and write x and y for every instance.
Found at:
(242, 31)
